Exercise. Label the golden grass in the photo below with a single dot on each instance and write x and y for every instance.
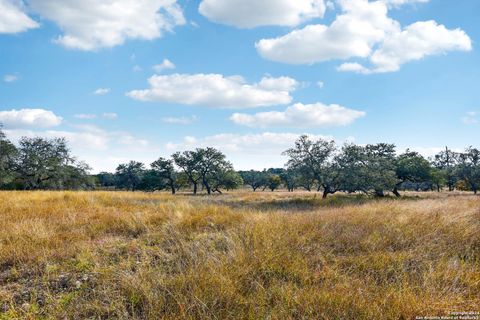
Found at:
(107, 255)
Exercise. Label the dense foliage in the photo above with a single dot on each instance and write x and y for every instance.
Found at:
(39, 163)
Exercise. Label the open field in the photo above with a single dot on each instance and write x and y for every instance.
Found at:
(107, 255)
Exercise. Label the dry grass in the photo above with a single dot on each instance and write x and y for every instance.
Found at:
(104, 255)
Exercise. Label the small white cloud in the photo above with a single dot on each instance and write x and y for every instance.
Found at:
(29, 118)
(353, 67)
(180, 120)
(110, 115)
(165, 65)
(13, 18)
(320, 84)
(471, 117)
(101, 91)
(216, 91)
(137, 68)
(85, 116)
(300, 116)
(255, 13)
(10, 78)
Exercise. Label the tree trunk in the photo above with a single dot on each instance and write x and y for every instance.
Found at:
(379, 193)
(206, 185)
(325, 194)
(172, 187)
(195, 188)
(396, 193)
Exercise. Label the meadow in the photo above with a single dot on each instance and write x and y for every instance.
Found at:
(241, 255)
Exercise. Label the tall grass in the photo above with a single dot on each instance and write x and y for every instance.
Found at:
(105, 255)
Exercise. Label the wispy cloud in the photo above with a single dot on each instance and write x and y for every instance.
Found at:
(180, 120)
(10, 78)
(101, 91)
(110, 115)
(471, 117)
(85, 116)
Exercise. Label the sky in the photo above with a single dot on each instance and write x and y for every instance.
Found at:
(138, 79)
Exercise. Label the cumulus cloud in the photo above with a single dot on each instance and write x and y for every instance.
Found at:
(13, 18)
(216, 91)
(364, 30)
(300, 116)
(180, 120)
(165, 65)
(254, 13)
(417, 41)
(29, 118)
(352, 34)
(101, 91)
(90, 25)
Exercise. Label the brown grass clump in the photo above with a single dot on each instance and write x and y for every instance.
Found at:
(107, 255)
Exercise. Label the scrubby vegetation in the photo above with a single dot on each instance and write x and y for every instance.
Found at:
(263, 255)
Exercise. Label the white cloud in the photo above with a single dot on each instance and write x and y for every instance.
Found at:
(13, 18)
(246, 151)
(216, 90)
(417, 41)
(330, 5)
(165, 65)
(364, 30)
(352, 34)
(91, 24)
(85, 116)
(320, 84)
(10, 78)
(110, 115)
(353, 67)
(300, 116)
(180, 120)
(397, 3)
(101, 91)
(254, 13)
(29, 118)
(471, 117)
(137, 68)
(89, 116)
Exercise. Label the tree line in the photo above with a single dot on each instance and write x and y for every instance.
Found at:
(313, 165)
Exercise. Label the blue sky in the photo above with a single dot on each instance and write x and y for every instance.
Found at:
(124, 79)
